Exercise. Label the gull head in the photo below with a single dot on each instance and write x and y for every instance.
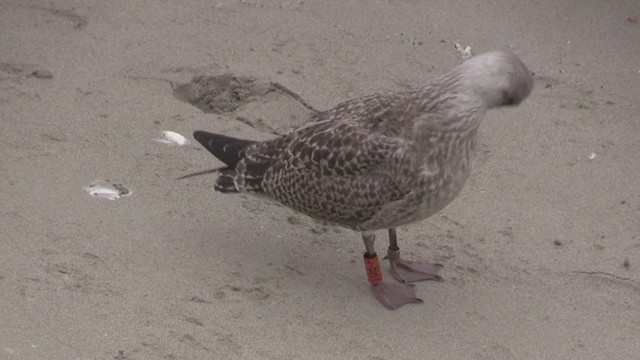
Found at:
(498, 78)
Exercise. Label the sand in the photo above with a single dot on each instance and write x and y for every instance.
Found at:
(541, 251)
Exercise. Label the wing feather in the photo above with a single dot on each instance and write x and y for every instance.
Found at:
(337, 172)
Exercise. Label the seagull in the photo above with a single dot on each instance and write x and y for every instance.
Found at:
(378, 161)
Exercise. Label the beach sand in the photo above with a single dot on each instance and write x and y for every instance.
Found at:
(541, 251)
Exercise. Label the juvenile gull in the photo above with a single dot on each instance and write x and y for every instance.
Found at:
(378, 161)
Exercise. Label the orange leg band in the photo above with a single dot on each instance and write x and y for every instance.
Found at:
(374, 270)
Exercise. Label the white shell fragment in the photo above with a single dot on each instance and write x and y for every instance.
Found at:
(107, 190)
(172, 138)
(463, 53)
(591, 156)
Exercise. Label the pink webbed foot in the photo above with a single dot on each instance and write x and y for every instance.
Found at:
(406, 271)
(392, 296)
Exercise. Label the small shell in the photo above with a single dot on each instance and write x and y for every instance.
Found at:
(107, 190)
(173, 138)
(591, 156)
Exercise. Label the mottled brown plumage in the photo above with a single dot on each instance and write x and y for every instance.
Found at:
(381, 160)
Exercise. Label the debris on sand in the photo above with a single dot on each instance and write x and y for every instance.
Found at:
(463, 53)
(172, 138)
(42, 74)
(107, 190)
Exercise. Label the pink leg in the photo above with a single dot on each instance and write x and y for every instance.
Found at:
(392, 296)
(407, 271)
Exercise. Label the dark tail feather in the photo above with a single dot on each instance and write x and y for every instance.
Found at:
(227, 149)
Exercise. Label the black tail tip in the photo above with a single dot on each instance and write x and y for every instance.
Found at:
(199, 134)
